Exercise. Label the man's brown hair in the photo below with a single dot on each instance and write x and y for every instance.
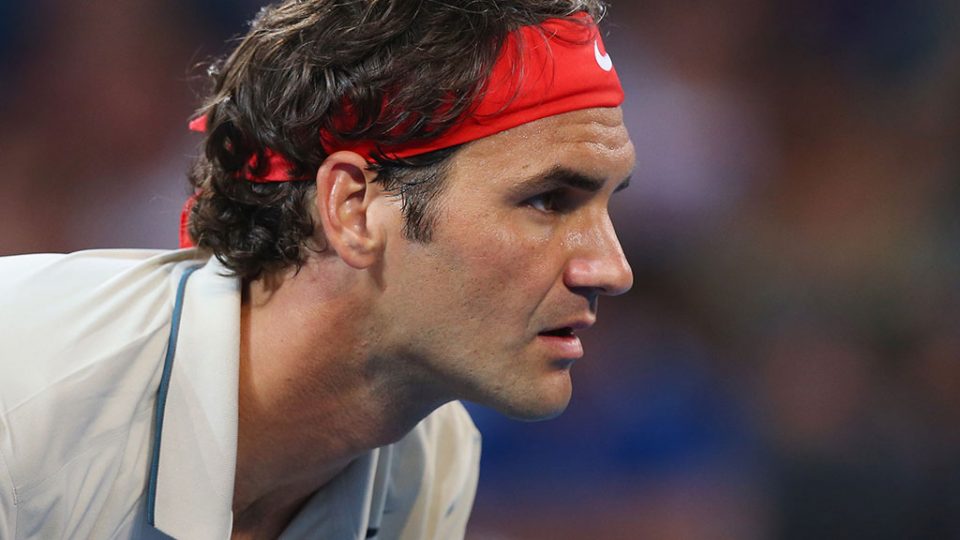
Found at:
(408, 70)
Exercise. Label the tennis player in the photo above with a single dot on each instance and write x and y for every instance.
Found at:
(399, 204)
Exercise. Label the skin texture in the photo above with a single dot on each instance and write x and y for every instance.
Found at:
(499, 270)
(376, 331)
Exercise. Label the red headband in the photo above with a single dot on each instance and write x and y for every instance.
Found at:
(552, 68)
(555, 67)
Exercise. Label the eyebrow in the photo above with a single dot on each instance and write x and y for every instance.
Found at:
(564, 177)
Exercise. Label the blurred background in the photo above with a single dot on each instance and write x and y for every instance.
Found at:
(787, 365)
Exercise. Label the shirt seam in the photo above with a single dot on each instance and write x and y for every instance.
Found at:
(6, 469)
(13, 489)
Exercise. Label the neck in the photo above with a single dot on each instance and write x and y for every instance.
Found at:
(315, 393)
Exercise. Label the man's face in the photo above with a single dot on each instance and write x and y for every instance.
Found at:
(522, 248)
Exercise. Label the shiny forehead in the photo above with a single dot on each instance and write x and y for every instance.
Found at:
(594, 142)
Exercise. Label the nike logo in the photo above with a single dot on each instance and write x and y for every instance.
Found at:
(603, 60)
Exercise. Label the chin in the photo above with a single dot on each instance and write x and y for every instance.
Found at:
(535, 415)
(548, 403)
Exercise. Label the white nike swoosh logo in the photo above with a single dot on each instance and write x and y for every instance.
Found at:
(603, 60)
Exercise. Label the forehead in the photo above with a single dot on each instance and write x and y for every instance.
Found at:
(592, 141)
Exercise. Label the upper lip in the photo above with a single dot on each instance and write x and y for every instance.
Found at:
(574, 324)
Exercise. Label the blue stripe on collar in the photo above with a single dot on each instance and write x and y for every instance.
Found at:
(162, 394)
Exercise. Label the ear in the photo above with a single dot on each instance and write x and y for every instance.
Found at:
(345, 190)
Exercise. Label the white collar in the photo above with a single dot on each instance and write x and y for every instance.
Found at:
(351, 505)
(198, 440)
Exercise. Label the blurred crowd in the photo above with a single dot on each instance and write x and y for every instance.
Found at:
(788, 363)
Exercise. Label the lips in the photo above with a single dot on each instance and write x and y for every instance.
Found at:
(568, 328)
(562, 342)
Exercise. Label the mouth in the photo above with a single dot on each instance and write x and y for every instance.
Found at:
(566, 331)
(561, 343)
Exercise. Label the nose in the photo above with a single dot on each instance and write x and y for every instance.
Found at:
(598, 263)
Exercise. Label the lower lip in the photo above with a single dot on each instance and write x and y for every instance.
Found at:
(562, 346)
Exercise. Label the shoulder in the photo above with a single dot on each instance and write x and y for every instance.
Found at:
(64, 314)
(66, 288)
(83, 337)
(47, 273)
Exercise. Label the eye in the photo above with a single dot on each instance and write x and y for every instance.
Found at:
(548, 202)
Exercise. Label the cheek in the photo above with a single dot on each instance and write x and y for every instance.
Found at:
(498, 265)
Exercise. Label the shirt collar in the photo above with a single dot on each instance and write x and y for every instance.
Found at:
(350, 506)
(196, 464)
(198, 440)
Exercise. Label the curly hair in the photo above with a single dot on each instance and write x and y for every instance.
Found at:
(409, 69)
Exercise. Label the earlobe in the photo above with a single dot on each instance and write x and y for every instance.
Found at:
(345, 190)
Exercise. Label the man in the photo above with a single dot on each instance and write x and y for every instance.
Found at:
(401, 204)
